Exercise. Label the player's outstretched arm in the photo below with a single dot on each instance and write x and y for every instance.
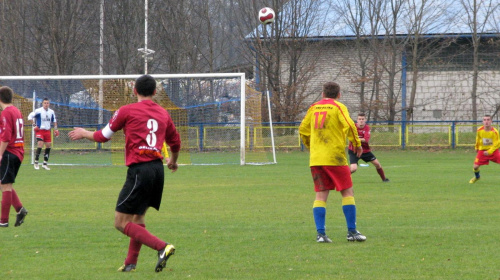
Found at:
(81, 133)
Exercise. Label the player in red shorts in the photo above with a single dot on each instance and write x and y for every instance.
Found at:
(324, 130)
(11, 156)
(487, 144)
(146, 126)
(43, 118)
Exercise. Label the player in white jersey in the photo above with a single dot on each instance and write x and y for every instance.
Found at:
(43, 118)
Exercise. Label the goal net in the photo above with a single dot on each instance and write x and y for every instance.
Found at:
(220, 118)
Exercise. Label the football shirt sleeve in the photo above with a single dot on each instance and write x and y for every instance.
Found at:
(367, 134)
(478, 139)
(6, 131)
(496, 142)
(116, 123)
(53, 117)
(31, 116)
(349, 126)
(305, 129)
(172, 137)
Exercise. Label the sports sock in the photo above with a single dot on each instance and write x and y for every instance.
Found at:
(37, 154)
(349, 208)
(380, 172)
(16, 203)
(319, 213)
(476, 173)
(134, 247)
(46, 155)
(6, 203)
(143, 236)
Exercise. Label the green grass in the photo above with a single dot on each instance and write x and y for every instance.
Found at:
(255, 222)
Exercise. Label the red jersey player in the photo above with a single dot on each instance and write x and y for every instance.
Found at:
(367, 155)
(146, 126)
(11, 156)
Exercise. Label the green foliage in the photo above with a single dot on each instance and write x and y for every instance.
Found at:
(255, 222)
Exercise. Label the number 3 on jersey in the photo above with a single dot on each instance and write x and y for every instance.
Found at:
(153, 127)
(318, 124)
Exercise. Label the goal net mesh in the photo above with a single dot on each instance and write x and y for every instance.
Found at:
(205, 110)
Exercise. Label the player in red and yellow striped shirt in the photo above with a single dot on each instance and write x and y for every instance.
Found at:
(487, 144)
(324, 130)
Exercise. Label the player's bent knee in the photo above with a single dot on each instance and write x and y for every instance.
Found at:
(119, 227)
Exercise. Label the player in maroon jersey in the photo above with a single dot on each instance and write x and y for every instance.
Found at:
(367, 155)
(11, 156)
(146, 126)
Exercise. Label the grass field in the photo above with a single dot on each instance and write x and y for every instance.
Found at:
(255, 222)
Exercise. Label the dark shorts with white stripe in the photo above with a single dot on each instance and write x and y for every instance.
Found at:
(142, 189)
(9, 167)
(366, 157)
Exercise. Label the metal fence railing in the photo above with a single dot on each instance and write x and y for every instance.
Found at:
(225, 136)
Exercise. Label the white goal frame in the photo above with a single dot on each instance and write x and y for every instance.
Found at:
(241, 76)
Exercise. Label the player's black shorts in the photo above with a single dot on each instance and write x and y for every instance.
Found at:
(9, 167)
(366, 157)
(142, 189)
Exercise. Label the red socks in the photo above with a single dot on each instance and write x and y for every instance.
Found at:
(6, 203)
(134, 248)
(381, 173)
(141, 235)
(9, 198)
(16, 203)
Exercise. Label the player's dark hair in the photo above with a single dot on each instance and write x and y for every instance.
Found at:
(487, 116)
(331, 90)
(145, 85)
(46, 99)
(6, 94)
(361, 114)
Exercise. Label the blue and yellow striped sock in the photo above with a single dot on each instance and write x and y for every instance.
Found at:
(319, 213)
(476, 173)
(349, 208)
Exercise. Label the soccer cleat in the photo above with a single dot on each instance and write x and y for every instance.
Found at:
(473, 180)
(385, 180)
(4, 224)
(36, 165)
(323, 238)
(45, 167)
(20, 216)
(355, 236)
(163, 256)
(127, 268)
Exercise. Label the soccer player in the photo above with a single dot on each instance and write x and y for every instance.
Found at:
(487, 144)
(324, 130)
(43, 118)
(11, 156)
(367, 155)
(146, 126)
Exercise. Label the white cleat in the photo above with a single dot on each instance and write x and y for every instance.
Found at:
(36, 166)
(355, 236)
(45, 167)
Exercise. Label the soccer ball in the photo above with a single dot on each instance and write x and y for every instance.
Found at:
(266, 15)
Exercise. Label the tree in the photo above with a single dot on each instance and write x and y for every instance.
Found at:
(278, 54)
(124, 34)
(478, 13)
(424, 17)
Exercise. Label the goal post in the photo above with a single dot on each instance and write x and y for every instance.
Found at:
(206, 109)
